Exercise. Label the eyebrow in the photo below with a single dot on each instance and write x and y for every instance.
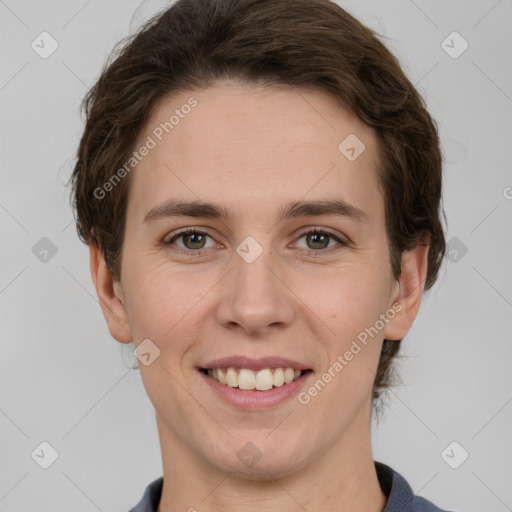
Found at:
(201, 209)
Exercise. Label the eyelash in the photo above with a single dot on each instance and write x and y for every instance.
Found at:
(311, 252)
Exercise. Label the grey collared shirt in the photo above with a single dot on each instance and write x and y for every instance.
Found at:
(395, 487)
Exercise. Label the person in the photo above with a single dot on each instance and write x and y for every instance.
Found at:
(259, 185)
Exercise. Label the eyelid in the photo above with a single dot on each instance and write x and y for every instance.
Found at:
(188, 231)
(319, 229)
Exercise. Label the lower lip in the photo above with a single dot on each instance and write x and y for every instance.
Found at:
(253, 400)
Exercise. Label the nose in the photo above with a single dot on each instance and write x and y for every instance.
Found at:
(256, 297)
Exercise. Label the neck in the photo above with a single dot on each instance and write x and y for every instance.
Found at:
(343, 479)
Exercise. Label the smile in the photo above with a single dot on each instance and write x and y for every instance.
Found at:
(259, 380)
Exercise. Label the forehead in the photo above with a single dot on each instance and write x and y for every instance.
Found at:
(240, 145)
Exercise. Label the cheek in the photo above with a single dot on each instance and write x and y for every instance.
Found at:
(347, 299)
(351, 305)
(162, 300)
(352, 354)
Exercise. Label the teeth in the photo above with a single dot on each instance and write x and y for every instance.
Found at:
(278, 377)
(246, 379)
(261, 380)
(264, 380)
(221, 376)
(231, 378)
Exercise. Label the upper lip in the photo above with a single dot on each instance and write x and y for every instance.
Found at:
(255, 364)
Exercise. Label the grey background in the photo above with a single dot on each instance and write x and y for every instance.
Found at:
(65, 381)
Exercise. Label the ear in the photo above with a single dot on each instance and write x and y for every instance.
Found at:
(110, 295)
(408, 290)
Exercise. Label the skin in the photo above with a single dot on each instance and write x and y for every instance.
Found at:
(254, 150)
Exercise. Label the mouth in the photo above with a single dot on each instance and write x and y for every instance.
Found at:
(264, 379)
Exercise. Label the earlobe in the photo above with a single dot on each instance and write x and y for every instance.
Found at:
(409, 290)
(110, 296)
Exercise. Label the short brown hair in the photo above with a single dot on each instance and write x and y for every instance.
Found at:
(308, 43)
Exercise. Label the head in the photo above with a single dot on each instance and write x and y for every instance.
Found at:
(251, 105)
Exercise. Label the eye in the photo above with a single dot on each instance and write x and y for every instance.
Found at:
(318, 240)
(193, 241)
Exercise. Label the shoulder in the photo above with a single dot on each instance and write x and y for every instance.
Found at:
(151, 498)
(400, 495)
(398, 491)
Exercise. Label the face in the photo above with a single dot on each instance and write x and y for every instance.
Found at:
(258, 279)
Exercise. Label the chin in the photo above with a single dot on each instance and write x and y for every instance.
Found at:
(265, 464)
